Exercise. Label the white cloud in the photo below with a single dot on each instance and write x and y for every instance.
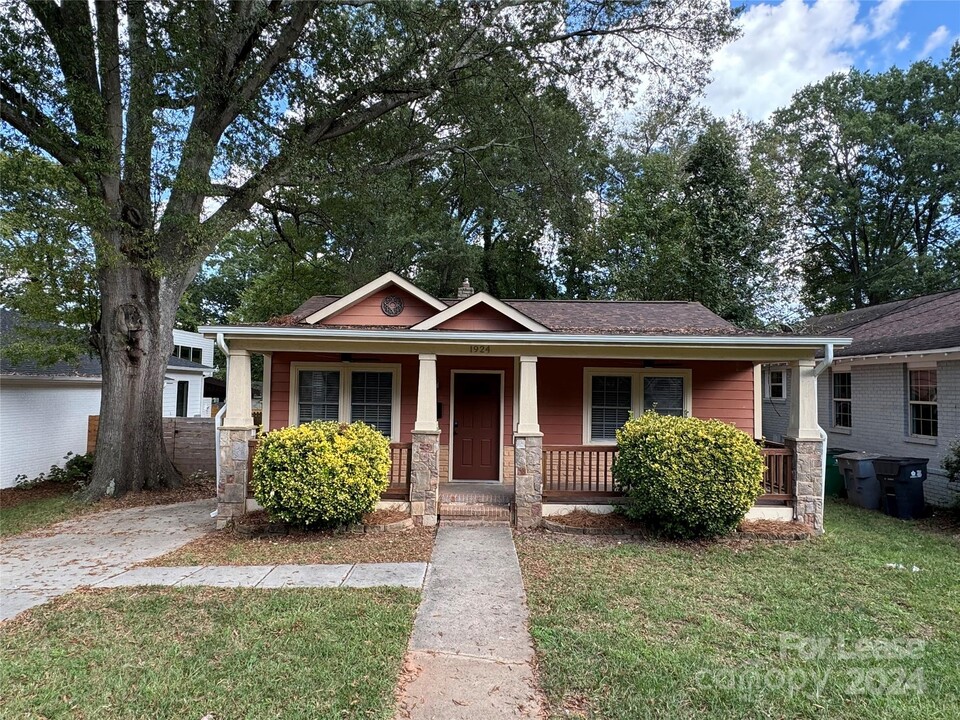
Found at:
(904, 42)
(789, 45)
(937, 38)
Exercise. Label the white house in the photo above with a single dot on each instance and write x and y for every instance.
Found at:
(894, 391)
(44, 410)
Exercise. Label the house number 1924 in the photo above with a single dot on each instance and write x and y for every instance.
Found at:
(481, 349)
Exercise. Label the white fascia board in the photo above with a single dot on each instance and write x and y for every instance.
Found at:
(49, 380)
(435, 337)
(389, 278)
(476, 299)
(884, 358)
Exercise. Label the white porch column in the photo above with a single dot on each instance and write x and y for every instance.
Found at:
(427, 396)
(528, 418)
(803, 438)
(235, 435)
(803, 406)
(239, 414)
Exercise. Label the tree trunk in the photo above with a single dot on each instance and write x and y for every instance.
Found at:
(136, 339)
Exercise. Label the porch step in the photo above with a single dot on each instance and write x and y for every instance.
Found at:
(474, 511)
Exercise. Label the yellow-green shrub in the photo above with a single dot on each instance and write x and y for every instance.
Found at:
(686, 476)
(321, 473)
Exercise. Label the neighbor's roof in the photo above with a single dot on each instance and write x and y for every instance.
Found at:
(929, 322)
(87, 366)
(584, 317)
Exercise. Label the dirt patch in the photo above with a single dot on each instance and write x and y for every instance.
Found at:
(199, 487)
(774, 530)
(15, 496)
(587, 519)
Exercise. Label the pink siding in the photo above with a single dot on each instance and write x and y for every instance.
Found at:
(280, 384)
(482, 318)
(368, 312)
(721, 390)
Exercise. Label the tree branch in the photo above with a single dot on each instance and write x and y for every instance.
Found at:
(25, 117)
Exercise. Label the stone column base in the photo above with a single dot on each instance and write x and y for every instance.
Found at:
(424, 477)
(807, 481)
(232, 483)
(528, 479)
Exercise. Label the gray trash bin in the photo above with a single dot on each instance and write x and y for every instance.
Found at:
(860, 479)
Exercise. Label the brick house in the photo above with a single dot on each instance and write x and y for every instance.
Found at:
(511, 402)
(895, 390)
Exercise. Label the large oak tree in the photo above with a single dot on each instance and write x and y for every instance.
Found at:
(177, 118)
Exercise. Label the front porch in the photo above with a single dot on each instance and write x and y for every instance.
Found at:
(471, 439)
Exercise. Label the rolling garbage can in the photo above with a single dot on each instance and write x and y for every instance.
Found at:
(901, 482)
(833, 482)
(860, 479)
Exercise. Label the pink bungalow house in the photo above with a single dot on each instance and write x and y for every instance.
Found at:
(510, 406)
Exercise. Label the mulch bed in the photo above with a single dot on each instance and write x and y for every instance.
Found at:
(774, 530)
(589, 523)
(15, 496)
(258, 523)
(193, 488)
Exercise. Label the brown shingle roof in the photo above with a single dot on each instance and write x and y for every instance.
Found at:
(929, 322)
(589, 317)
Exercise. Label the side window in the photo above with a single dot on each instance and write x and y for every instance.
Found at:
(923, 403)
(371, 399)
(842, 400)
(777, 385)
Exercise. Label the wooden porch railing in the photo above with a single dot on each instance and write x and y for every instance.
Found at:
(778, 477)
(583, 473)
(399, 487)
(578, 472)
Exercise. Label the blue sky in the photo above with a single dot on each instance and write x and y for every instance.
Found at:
(786, 45)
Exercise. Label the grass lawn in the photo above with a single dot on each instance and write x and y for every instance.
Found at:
(184, 653)
(34, 511)
(817, 629)
(226, 547)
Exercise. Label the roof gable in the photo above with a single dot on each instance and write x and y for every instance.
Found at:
(381, 284)
(481, 312)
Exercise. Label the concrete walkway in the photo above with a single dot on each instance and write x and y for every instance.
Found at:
(470, 656)
(361, 575)
(39, 566)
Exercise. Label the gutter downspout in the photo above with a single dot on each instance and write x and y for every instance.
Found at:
(218, 420)
(817, 372)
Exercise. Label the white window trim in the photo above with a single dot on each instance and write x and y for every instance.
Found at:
(768, 385)
(846, 429)
(636, 392)
(926, 439)
(346, 370)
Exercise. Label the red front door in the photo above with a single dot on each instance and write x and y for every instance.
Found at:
(476, 426)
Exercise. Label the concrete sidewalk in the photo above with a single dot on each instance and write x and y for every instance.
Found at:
(360, 575)
(39, 566)
(470, 656)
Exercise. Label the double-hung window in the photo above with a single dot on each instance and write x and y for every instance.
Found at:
(842, 400)
(777, 385)
(922, 401)
(347, 394)
(612, 396)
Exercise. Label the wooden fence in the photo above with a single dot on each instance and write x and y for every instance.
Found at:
(190, 442)
(399, 487)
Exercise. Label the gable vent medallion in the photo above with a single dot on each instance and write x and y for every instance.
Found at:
(392, 305)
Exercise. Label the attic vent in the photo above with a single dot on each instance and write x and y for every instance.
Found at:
(464, 291)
